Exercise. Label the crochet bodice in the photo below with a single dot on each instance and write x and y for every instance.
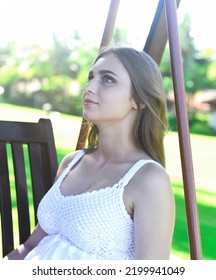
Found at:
(95, 222)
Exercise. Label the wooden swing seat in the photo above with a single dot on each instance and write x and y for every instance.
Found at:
(27, 150)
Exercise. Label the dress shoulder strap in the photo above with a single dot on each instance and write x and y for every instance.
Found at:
(133, 170)
(79, 155)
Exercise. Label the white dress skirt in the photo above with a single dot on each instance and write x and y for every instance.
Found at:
(54, 247)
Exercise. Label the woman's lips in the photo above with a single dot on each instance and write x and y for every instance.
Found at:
(89, 102)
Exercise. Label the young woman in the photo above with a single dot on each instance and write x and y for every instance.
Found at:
(112, 200)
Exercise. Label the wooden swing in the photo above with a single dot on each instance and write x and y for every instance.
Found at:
(41, 144)
(165, 26)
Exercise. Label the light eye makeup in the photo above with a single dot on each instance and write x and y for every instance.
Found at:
(104, 76)
(108, 79)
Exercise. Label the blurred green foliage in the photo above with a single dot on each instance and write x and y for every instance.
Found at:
(53, 78)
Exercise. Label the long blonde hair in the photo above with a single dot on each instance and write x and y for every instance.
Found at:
(147, 88)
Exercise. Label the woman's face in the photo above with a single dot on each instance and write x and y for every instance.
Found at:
(107, 95)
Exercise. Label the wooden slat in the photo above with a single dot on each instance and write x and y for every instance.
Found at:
(37, 174)
(48, 151)
(5, 202)
(21, 191)
(25, 132)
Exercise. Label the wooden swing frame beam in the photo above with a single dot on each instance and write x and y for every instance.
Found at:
(105, 41)
(165, 26)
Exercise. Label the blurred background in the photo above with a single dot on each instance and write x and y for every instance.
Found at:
(47, 48)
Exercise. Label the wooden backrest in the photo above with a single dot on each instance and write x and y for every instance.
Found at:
(28, 165)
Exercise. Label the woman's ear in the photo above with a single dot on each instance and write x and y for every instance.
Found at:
(135, 105)
(142, 106)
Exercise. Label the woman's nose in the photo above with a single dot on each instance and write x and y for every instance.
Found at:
(90, 87)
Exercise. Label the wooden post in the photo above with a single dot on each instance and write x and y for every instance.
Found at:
(157, 37)
(183, 130)
(105, 41)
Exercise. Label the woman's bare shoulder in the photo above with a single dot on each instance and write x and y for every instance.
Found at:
(154, 212)
(153, 181)
(65, 161)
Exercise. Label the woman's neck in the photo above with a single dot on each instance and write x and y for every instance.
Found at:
(115, 144)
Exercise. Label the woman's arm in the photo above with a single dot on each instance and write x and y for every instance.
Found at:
(38, 233)
(21, 252)
(154, 215)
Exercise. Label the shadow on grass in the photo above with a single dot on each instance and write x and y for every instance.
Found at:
(207, 221)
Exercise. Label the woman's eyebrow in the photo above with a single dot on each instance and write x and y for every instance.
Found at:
(102, 72)
(108, 72)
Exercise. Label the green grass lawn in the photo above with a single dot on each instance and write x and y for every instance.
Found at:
(66, 130)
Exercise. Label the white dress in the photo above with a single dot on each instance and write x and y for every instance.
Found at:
(93, 225)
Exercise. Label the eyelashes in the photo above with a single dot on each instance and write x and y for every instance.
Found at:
(90, 77)
(108, 79)
(104, 78)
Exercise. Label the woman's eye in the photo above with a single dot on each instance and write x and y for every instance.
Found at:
(108, 79)
(90, 77)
